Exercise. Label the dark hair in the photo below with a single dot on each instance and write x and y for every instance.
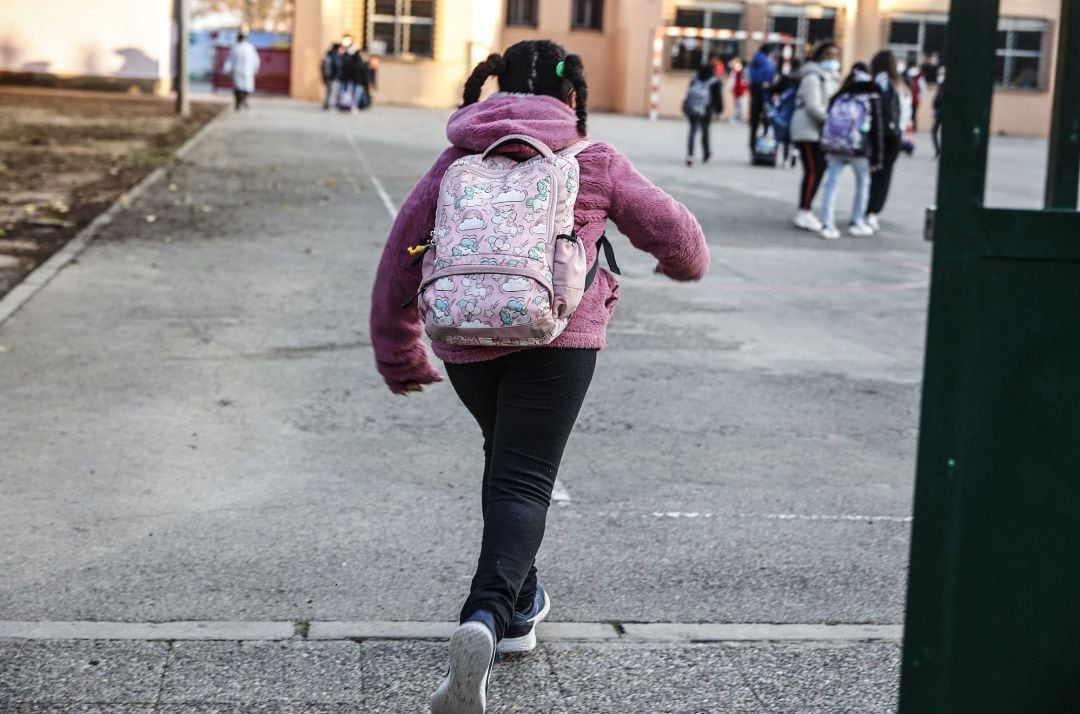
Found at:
(529, 67)
(241, 36)
(795, 63)
(821, 48)
(885, 61)
(850, 79)
(705, 72)
(766, 48)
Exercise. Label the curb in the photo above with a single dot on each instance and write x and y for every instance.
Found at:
(40, 276)
(328, 631)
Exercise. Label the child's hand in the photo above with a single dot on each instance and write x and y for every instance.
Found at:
(409, 387)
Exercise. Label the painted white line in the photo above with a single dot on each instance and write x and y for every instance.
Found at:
(705, 632)
(41, 275)
(186, 630)
(783, 516)
(379, 188)
(559, 494)
(664, 632)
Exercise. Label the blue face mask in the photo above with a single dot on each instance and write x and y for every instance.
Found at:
(830, 65)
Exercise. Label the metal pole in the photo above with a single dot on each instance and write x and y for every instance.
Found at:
(183, 27)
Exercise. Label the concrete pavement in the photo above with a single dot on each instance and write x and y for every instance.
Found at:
(197, 433)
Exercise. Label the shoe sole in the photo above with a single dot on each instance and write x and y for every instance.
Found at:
(527, 642)
(464, 691)
(807, 227)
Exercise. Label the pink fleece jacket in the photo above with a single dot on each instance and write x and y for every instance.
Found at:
(610, 188)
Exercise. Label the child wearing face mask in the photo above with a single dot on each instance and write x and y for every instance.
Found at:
(820, 80)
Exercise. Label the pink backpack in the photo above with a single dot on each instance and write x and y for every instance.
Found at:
(503, 266)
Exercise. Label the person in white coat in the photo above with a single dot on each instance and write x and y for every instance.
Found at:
(242, 64)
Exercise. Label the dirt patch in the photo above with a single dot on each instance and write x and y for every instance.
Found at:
(66, 156)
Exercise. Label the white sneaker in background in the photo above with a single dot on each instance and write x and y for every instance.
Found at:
(807, 221)
(830, 233)
(860, 230)
(873, 222)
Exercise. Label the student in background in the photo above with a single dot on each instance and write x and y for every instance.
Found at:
(939, 98)
(330, 68)
(819, 80)
(761, 76)
(739, 88)
(781, 96)
(853, 135)
(701, 103)
(896, 110)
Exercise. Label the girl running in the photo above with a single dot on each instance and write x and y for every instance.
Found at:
(525, 400)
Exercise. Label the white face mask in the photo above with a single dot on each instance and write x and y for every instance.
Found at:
(831, 65)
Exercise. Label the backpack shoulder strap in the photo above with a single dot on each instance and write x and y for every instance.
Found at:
(574, 149)
(609, 256)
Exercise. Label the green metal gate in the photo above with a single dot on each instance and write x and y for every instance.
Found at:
(993, 618)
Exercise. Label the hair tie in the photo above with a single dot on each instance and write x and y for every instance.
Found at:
(560, 68)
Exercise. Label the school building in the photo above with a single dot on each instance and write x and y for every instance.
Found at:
(105, 44)
(639, 54)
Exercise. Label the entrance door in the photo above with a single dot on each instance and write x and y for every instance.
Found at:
(993, 618)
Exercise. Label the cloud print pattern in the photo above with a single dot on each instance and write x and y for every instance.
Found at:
(610, 187)
(516, 285)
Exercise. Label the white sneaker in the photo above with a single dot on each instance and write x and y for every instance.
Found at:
(807, 221)
(464, 691)
(830, 233)
(860, 230)
(873, 222)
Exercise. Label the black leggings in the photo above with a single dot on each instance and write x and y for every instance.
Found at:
(526, 404)
(757, 111)
(701, 123)
(882, 178)
(813, 162)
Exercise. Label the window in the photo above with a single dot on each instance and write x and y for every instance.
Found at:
(919, 39)
(807, 25)
(587, 15)
(691, 52)
(401, 27)
(521, 13)
(1019, 61)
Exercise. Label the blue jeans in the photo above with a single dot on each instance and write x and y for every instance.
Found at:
(834, 166)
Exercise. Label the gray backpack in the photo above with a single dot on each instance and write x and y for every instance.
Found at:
(698, 98)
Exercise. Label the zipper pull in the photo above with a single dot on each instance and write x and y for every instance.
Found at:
(423, 247)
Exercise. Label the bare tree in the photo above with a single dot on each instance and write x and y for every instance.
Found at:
(256, 14)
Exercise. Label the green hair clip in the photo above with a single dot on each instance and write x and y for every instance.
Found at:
(560, 68)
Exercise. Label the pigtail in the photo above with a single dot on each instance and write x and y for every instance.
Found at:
(574, 72)
(493, 65)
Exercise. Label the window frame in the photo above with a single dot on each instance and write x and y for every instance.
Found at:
(511, 17)
(1011, 26)
(403, 21)
(901, 50)
(595, 15)
(708, 47)
(803, 14)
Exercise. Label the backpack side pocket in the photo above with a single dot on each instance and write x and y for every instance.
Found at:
(568, 269)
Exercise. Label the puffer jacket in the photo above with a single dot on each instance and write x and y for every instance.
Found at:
(610, 187)
(816, 88)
